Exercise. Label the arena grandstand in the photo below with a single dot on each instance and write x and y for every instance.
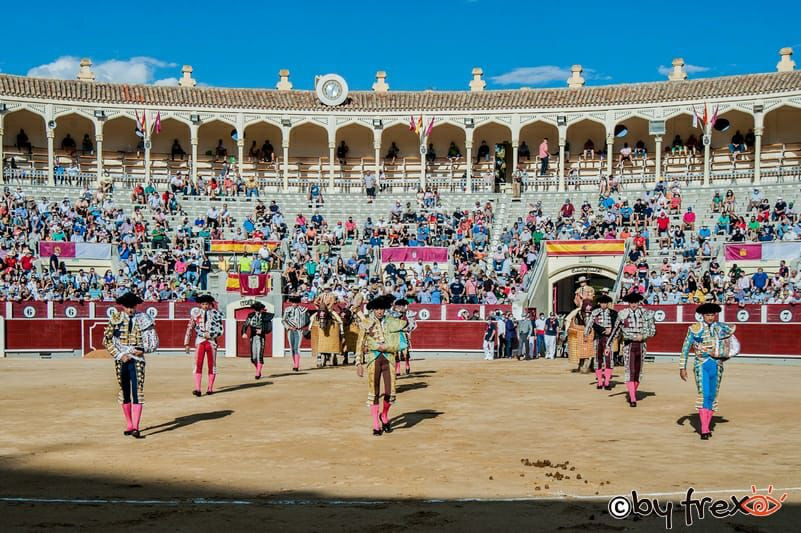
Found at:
(442, 198)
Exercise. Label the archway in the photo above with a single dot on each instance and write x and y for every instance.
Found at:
(563, 290)
(578, 133)
(359, 140)
(408, 143)
(442, 135)
(498, 137)
(34, 126)
(738, 121)
(171, 130)
(533, 134)
(631, 131)
(308, 150)
(263, 133)
(781, 126)
(209, 134)
(73, 126)
(119, 135)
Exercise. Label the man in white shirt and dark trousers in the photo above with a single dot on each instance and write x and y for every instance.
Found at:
(539, 330)
(490, 338)
(551, 330)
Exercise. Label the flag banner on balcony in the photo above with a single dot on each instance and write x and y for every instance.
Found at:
(775, 251)
(75, 250)
(597, 247)
(254, 284)
(413, 254)
(743, 252)
(239, 247)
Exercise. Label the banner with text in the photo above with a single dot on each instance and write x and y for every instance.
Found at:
(412, 254)
(75, 250)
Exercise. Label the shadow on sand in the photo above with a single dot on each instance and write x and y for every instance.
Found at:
(188, 420)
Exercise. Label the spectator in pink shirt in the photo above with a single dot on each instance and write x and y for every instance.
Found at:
(689, 219)
(544, 155)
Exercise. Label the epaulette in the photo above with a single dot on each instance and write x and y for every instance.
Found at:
(696, 328)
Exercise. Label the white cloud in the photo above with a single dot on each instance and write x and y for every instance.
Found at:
(690, 69)
(170, 82)
(140, 69)
(542, 75)
(532, 75)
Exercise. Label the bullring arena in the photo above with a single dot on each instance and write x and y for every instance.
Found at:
(681, 191)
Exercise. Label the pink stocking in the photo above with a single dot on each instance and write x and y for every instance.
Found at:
(126, 410)
(607, 376)
(198, 378)
(702, 413)
(258, 369)
(599, 376)
(374, 411)
(137, 414)
(397, 367)
(296, 360)
(211, 382)
(385, 412)
(636, 385)
(408, 364)
(632, 391)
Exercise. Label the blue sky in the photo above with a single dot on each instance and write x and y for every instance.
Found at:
(421, 45)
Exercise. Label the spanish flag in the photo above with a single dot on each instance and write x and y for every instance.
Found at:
(238, 247)
(596, 247)
(232, 283)
(419, 126)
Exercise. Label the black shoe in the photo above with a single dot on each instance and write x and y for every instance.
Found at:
(632, 404)
(599, 387)
(257, 377)
(704, 436)
(196, 392)
(408, 371)
(387, 427)
(127, 432)
(294, 370)
(397, 374)
(208, 392)
(376, 433)
(608, 387)
(135, 434)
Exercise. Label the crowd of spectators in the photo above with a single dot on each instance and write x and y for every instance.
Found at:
(158, 260)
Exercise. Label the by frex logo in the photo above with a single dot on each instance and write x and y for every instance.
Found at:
(755, 504)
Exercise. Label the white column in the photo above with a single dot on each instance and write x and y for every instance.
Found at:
(2, 167)
(423, 169)
(99, 153)
(332, 148)
(147, 157)
(561, 186)
(707, 156)
(51, 157)
(658, 158)
(514, 154)
(240, 149)
(285, 147)
(610, 146)
(377, 149)
(468, 148)
(757, 155)
(193, 141)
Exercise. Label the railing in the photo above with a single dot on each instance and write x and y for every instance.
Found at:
(536, 290)
(619, 278)
(21, 175)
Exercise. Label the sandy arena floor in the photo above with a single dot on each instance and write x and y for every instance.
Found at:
(464, 430)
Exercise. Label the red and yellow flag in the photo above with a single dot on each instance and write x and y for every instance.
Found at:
(597, 247)
(238, 247)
